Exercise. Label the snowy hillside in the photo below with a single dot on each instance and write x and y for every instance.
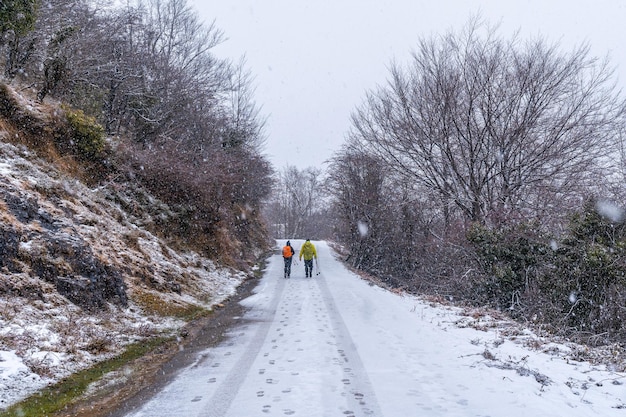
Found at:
(80, 277)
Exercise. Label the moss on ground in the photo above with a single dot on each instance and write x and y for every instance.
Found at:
(61, 395)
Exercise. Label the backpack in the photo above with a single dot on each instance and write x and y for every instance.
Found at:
(287, 252)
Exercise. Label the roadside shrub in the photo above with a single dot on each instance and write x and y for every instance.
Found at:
(587, 278)
(87, 134)
(510, 258)
(575, 285)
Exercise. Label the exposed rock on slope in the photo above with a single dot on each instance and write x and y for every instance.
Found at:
(41, 241)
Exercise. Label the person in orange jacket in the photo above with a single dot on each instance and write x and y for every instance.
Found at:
(288, 253)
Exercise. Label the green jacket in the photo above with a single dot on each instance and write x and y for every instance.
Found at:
(308, 251)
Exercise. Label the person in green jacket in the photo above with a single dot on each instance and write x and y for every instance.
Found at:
(308, 252)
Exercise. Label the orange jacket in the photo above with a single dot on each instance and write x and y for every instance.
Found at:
(288, 251)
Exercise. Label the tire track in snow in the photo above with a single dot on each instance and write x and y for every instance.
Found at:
(361, 396)
(222, 399)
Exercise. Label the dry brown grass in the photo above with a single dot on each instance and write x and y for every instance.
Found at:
(154, 304)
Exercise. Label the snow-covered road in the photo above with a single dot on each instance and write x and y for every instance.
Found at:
(334, 345)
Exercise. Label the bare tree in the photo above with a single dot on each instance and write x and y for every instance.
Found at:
(496, 127)
(184, 75)
(246, 126)
(362, 203)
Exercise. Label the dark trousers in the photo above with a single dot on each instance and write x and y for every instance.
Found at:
(287, 267)
(308, 267)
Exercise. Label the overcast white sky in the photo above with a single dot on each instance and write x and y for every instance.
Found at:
(315, 60)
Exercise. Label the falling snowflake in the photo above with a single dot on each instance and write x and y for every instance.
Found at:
(363, 228)
(610, 210)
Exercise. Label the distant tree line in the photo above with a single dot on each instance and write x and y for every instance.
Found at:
(182, 121)
(299, 205)
(482, 170)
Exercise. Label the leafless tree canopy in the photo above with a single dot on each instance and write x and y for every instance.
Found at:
(496, 127)
(182, 120)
